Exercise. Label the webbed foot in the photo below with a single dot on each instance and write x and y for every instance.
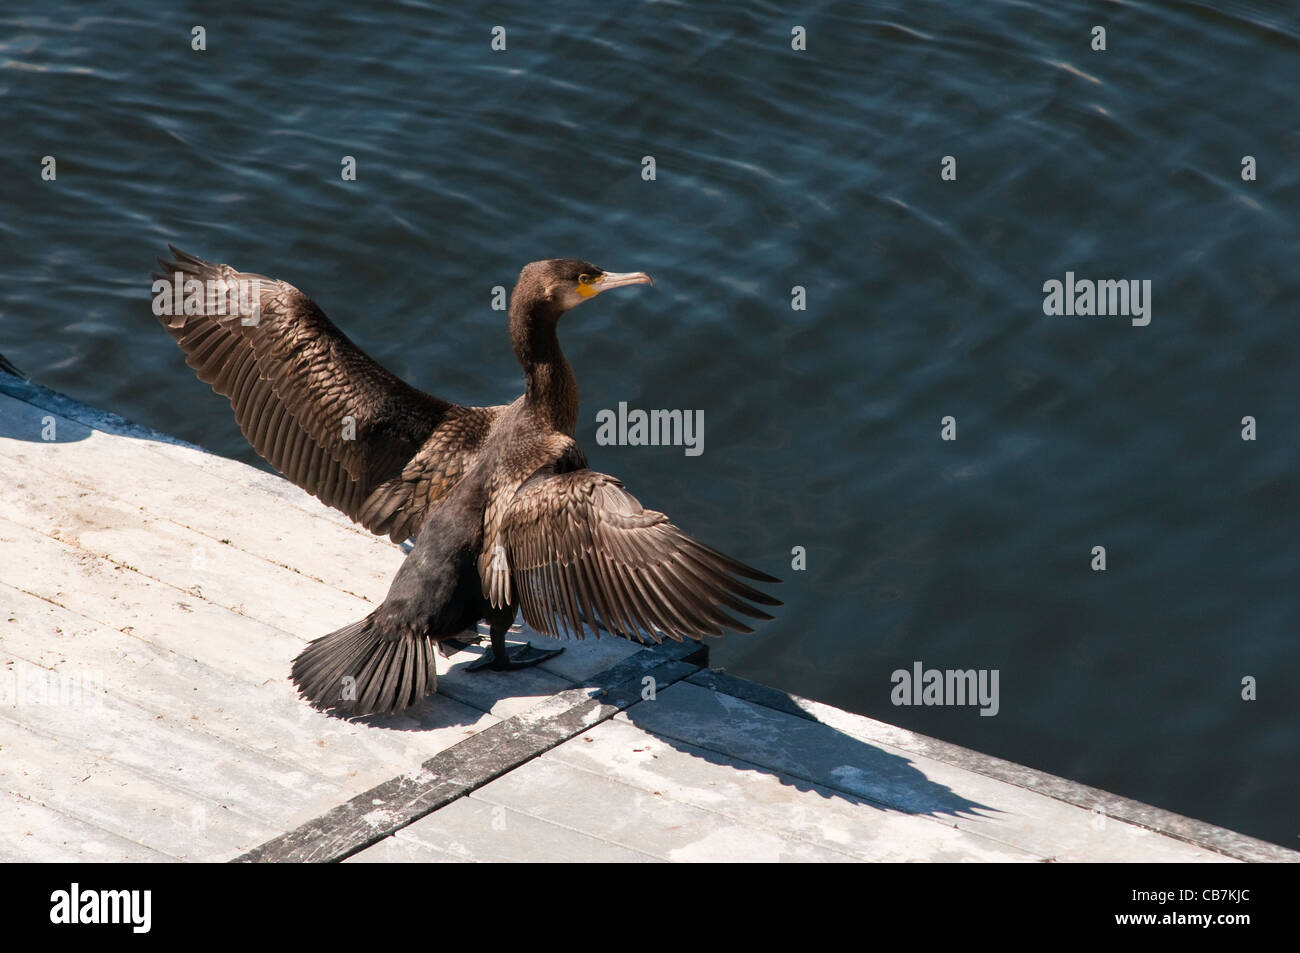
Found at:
(517, 655)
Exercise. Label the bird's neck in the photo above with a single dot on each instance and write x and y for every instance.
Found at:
(552, 390)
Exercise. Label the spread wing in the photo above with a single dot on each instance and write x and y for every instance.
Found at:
(579, 548)
(315, 406)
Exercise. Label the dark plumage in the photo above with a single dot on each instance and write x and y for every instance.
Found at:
(505, 512)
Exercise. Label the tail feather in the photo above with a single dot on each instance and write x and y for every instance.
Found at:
(360, 669)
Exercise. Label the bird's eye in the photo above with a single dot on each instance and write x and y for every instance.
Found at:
(584, 279)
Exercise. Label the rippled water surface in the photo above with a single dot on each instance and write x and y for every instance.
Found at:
(775, 168)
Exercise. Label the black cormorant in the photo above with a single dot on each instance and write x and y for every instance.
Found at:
(504, 510)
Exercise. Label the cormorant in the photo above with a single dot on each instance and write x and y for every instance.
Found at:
(504, 510)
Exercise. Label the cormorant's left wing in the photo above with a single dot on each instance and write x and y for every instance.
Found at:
(576, 547)
(317, 407)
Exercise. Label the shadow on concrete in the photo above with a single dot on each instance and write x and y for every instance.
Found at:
(751, 727)
(42, 415)
(724, 721)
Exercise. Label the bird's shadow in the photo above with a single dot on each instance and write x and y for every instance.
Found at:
(729, 721)
(724, 721)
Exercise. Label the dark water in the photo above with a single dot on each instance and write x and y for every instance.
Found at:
(776, 168)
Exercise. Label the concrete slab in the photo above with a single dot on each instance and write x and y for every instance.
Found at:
(473, 829)
(641, 820)
(400, 850)
(913, 784)
(30, 831)
(743, 793)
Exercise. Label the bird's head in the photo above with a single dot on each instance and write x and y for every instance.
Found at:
(559, 284)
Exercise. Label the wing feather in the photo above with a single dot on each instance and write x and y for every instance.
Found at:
(293, 379)
(583, 552)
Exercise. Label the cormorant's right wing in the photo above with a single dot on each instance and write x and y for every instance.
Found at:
(320, 410)
(577, 547)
